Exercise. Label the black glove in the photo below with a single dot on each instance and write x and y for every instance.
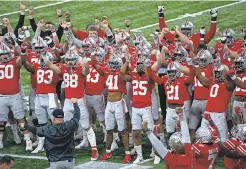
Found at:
(161, 11)
(213, 14)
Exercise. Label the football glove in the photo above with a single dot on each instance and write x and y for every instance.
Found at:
(161, 11)
(215, 135)
(202, 32)
(207, 116)
(213, 14)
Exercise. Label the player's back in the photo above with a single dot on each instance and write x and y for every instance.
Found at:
(205, 155)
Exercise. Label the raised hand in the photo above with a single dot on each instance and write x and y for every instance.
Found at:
(127, 22)
(59, 12)
(23, 47)
(23, 6)
(207, 116)
(31, 11)
(40, 23)
(213, 12)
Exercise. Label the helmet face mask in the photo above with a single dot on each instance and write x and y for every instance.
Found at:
(114, 63)
(71, 58)
(230, 36)
(39, 45)
(173, 71)
(239, 64)
(187, 28)
(218, 76)
(172, 74)
(5, 53)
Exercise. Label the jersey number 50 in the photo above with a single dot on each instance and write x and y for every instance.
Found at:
(6, 71)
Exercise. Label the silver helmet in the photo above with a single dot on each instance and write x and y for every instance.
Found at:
(239, 64)
(230, 36)
(218, 73)
(203, 135)
(71, 58)
(187, 28)
(100, 54)
(180, 53)
(242, 133)
(175, 138)
(235, 130)
(173, 71)
(205, 58)
(9, 38)
(38, 45)
(5, 53)
(114, 63)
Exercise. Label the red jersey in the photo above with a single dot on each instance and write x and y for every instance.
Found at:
(95, 82)
(241, 149)
(186, 92)
(201, 92)
(179, 161)
(32, 58)
(205, 155)
(218, 95)
(9, 77)
(113, 81)
(141, 90)
(238, 91)
(74, 81)
(231, 144)
(46, 79)
(175, 90)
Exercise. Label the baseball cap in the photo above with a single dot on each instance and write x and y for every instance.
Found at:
(58, 113)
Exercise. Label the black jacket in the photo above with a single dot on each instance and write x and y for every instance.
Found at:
(59, 139)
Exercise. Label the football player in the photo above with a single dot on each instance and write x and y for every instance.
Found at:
(10, 94)
(220, 91)
(115, 105)
(46, 98)
(74, 76)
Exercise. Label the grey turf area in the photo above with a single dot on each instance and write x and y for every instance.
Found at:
(109, 165)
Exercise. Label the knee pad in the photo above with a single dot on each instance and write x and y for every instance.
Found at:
(2, 127)
(35, 122)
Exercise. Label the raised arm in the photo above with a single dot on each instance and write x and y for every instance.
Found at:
(184, 126)
(52, 66)
(23, 58)
(123, 74)
(212, 30)
(204, 81)
(21, 18)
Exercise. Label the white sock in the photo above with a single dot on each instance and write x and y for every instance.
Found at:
(84, 135)
(91, 137)
(139, 150)
(26, 137)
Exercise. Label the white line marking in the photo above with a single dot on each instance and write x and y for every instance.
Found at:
(189, 15)
(38, 7)
(24, 156)
(133, 165)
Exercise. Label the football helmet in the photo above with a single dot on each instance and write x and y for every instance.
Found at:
(21, 34)
(180, 54)
(89, 45)
(100, 54)
(140, 64)
(9, 38)
(203, 135)
(173, 71)
(230, 36)
(5, 53)
(49, 41)
(45, 54)
(187, 28)
(144, 52)
(114, 63)
(71, 58)
(126, 37)
(205, 58)
(218, 73)
(242, 133)
(175, 137)
(38, 45)
(239, 64)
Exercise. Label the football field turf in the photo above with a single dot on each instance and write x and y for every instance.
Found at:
(140, 14)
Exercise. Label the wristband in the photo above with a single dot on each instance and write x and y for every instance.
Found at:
(213, 19)
(127, 26)
(233, 77)
(59, 16)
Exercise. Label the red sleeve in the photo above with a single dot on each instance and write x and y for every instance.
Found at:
(170, 37)
(101, 34)
(154, 77)
(241, 150)
(162, 24)
(81, 34)
(210, 34)
(196, 149)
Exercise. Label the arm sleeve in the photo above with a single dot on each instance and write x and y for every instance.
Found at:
(19, 24)
(33, 24)
(160, 148)
(162, 23)
(69, 36)
(184, 130)
(154, 77)
(211, 33)
(32, 129)
(59, 32)
(229, 153)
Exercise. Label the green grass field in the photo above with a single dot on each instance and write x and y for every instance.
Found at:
(140, 14)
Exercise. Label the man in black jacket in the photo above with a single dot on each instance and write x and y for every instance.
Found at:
(59, 138)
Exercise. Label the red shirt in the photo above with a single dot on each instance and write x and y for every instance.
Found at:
(175, 90)
(9, 78)
(179, 161)
(95, 82)
(205, 155)
(201, 92)
(113, 81)
(141, 90)
(241, 149)
(74, 81)
(238, 91)
(46, 79)
(32, 58)
(219, 97)
(231, 144)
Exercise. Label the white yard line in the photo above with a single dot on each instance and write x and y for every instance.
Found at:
(133, 165)
(189, 15)
(38, 7)
(24, 156)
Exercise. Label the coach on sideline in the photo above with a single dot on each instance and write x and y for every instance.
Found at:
(59, 138)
